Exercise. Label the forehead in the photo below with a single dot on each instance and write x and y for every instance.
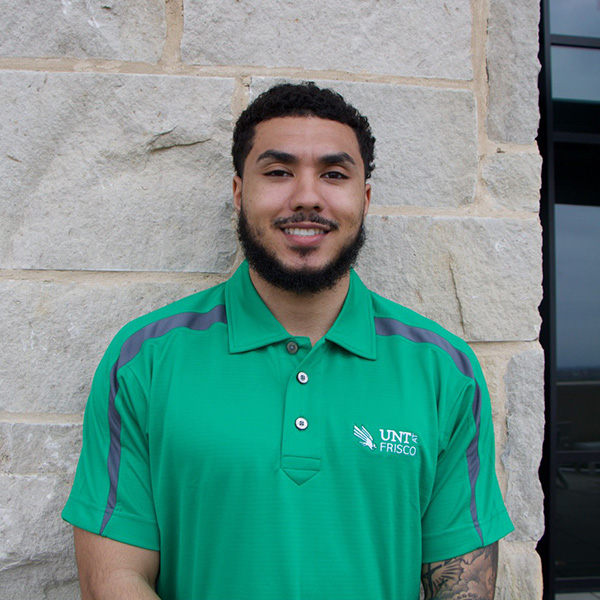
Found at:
(305, 135)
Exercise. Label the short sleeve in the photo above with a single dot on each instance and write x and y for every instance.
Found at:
(112, 491)
(466, 510)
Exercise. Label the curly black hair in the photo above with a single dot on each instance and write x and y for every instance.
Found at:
(300, 100)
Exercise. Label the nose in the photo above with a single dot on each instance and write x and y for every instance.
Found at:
(306, 195)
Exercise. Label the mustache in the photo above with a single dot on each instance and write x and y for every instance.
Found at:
(301, 217)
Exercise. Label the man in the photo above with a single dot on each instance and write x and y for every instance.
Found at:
(289, 434)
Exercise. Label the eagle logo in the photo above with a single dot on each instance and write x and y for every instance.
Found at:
(364, 437)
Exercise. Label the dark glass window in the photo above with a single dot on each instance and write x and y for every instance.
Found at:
(577, 173)
(575, 17)
(577, 235)
(578, 293)
(576, 89)
(575, 74)
(577, 519)
(570, 144)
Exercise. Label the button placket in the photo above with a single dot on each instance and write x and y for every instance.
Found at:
(301, 436)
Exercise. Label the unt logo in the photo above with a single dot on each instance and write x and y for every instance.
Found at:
(402, 437)
(365, 438)
(391, 440)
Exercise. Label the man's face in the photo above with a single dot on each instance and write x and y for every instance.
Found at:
(301, 202)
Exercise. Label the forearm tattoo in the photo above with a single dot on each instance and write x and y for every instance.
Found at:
(468, 577)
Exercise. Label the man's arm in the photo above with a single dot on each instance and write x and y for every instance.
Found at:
(110, 570)
(468, 577)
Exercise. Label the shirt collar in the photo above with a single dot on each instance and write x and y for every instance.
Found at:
(354, 328)
(251, 324)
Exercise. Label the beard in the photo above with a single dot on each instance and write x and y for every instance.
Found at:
(303, 280)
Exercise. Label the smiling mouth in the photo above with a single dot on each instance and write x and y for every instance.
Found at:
(303, 231)
(312, 222)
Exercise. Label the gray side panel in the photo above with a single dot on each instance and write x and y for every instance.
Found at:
(387, 327)
(129, 350)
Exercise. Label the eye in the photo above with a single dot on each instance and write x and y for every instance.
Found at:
(278, 173)
(334, 175)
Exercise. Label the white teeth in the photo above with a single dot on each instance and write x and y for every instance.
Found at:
(306, 232)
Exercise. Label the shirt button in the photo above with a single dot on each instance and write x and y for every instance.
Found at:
(302, 377)
(301, 423)
(292, 347)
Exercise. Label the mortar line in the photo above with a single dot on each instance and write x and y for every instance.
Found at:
(472, 211)
(82, 276)
(492, 347)
(171, 67)
(480, 13)
(240, 96)
(171, 54)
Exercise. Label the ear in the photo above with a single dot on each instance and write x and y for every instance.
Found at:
(237, 193)
(367, 199)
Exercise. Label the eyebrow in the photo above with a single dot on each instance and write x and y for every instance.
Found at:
(287, 158)
(338, 158)
(279, 156)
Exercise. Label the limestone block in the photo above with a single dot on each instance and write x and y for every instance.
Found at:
(35, 544)
(36, 555)
(513, 180)
(110, 29)
(421, 39)
(115, 172)
(41, 579)
(519, 572)
(426, 148)
(512, 67)
(493, 365)
(5, 449)
(57, 334)
(478, 277)
(524, 381)
(62, 591)
(40, 448)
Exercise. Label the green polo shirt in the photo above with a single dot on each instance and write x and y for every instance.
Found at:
(263, 468)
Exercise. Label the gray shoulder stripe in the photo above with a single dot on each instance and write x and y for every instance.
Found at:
(386, 327)
(418, 334)
(129, 350)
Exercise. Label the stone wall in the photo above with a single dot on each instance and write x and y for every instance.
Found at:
(115, 188)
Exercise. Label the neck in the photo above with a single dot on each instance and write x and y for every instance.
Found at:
(306, 315)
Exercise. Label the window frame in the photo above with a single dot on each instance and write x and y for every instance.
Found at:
(547, 138)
